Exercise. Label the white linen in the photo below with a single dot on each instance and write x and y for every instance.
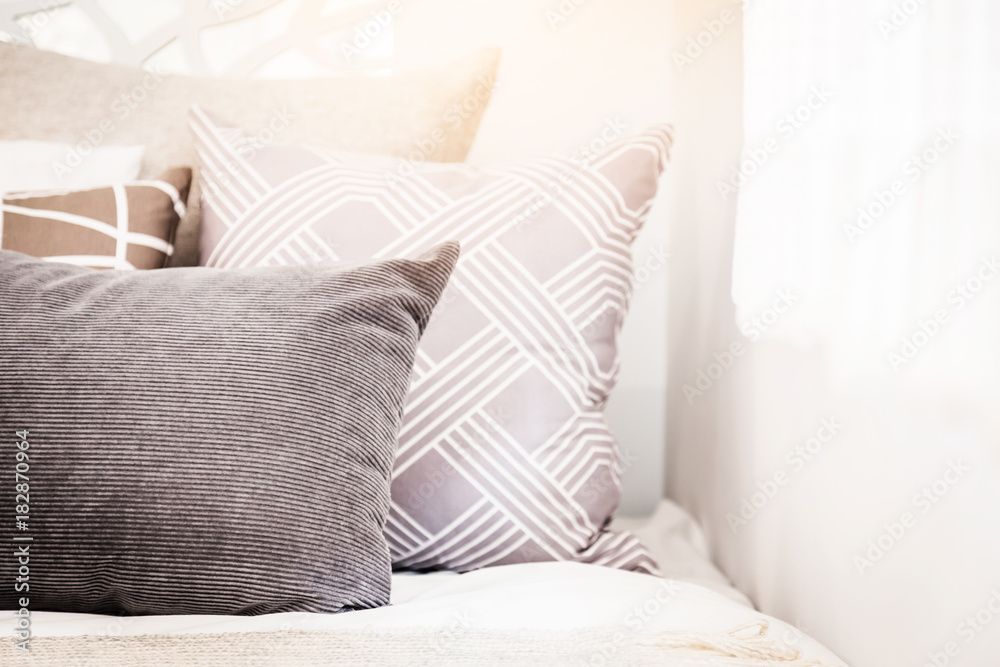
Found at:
(848, 459)
(678, 545)
(50, 165)
(533, 596)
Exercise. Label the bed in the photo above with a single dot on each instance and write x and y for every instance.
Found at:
(498, 517)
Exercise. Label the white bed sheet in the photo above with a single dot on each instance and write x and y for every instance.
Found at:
(678, 544)
(532, 596)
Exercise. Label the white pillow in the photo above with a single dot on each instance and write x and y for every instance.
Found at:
(50, 165)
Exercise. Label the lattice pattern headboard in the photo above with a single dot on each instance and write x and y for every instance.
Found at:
(233, 38)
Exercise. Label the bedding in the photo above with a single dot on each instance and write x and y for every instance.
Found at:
(127, 225)
(38, 165)
(527, 614)
(428, 114)
(680, 548)
(203, 441)
(504, 454)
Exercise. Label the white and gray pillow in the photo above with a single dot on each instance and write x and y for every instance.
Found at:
(504, 453)
(202, 441)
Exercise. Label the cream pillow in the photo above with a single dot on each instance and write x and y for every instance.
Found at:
(430, 114)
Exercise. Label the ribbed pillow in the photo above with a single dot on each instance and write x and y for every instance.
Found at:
(123, 226)
(202, 441)
(424, 114)
(504, 454)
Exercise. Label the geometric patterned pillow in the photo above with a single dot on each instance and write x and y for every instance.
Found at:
(504, 455)
(122, 226)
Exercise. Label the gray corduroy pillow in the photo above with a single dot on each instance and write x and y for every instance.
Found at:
(200, 441)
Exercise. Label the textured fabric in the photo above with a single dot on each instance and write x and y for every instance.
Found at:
(202, 441)
(387, 647)
(430, 114)
(122, 226)
(504, 454)
(32, 165)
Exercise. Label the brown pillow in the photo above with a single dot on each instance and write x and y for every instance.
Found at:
(424, 115)
(123, 226)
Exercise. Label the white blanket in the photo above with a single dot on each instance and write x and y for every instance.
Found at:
(538, 596)
(693, 598)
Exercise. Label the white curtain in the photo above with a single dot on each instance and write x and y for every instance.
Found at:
(871, 185)
(869, 195)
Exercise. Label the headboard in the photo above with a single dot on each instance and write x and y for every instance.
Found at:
(232, 38)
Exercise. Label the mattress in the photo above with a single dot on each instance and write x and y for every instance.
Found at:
(532, 613)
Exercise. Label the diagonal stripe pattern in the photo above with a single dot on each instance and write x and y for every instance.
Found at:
(504, 454)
